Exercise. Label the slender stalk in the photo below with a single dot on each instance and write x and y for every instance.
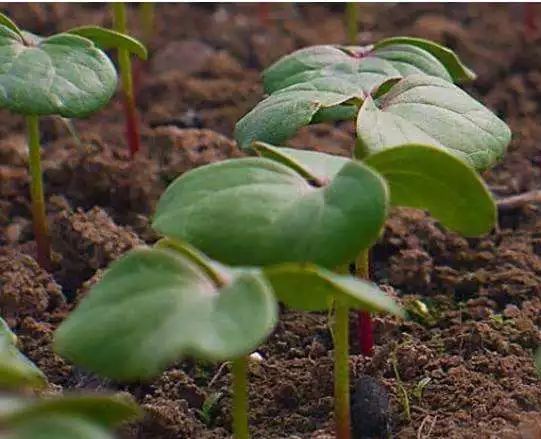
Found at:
(147, 21)
(124, 62)
(239, 370)
(341, 371)
(352, 22)
(39, 216)
(365, 333)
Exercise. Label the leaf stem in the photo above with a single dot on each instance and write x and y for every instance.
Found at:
(365, 334)
(239, 369)
(124, 61)
(352, 19)
(341, 371)
(39, 216)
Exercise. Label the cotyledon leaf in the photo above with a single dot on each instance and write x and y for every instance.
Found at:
(108, 38)
(255, 211)
(431, 111)
(155, 306)
(63, 74)
(419, 176)
(56, 427)
(16, 371)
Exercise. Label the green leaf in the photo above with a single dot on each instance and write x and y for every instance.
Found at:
(278, 117)
(16, 371)
(425, 177)
(155, 306)
(10, 24)
(307, 287)
(108, 38)
(104, 410)
(429, 110)
(57, 427)
(255, 211)
(63, 74)
(458, 71)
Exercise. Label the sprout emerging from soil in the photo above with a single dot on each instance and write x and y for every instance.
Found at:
(65, 75)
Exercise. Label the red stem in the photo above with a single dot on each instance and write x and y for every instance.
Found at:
(132, 125)
(365, 333)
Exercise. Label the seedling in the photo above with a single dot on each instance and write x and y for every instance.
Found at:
(400, 90)
(63, 75)
(81, 416)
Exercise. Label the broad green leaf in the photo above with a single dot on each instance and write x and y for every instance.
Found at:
(57, 427)
(458, 71)
(104, 410)
(10, 24)
(155, 306)
(431, 111)
(255, 211)
(278, 117)
(425, 177)
(309, 288)
(63, 74)
(16, 371)
(108, 38)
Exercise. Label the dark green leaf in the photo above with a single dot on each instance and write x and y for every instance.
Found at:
(431, 111)
(108, 38)
(154, 306)
(16, 371)
(425, 177)
(255, 211)
(63, 74)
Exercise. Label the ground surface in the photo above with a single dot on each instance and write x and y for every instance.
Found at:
(466, 367)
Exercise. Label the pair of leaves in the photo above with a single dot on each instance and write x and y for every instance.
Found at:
(16, 371)
(157, 305)
(69, 417)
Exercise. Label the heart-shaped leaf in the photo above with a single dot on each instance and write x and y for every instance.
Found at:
(425, 177)
(154, 306)
(310, 288)
(57, 427)
(107, 411)
(108, 38)
(255, 211)
(431, 111)
(419, 176)
(16, 371)
(372, 65)
(63, 74)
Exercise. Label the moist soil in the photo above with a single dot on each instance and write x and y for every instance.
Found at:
(460, 367)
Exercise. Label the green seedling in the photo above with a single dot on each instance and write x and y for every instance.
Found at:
(65, 75)
(66, 417)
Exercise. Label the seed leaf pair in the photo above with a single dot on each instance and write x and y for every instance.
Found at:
(419, 176)
(157, 305)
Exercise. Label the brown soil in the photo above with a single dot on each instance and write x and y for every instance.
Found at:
(460, 368)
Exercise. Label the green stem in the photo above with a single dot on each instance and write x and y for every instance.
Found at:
(341, 371)
(124, 62)
(147, 21)
(239, 370)
(39, 216)
(352, 19)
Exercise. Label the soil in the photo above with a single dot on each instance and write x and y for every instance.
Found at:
(461, 367)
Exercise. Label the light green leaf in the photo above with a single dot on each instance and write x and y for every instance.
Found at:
(255, 211)
(16, 371)
(431, 111)
(155, 306)
(105, 410)
(458, 71)
(108, 38)
(310, 288)
(425, 177)
(63, 74)
(57, 427)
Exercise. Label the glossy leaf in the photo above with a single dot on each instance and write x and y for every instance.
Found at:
(255, 211)
(155, 306)
(107, 411)
(428, 178)
(310, 288)
(63, 74)
(431, 111)
(108, 38)
(57, 427)
(16, 371)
